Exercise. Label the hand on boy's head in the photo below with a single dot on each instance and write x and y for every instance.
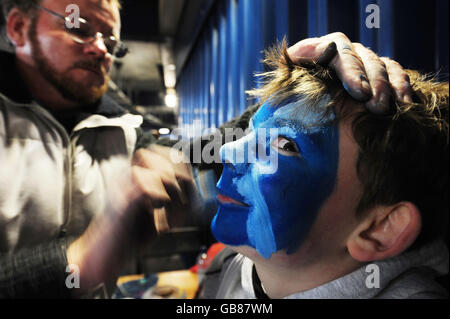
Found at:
(364, 75)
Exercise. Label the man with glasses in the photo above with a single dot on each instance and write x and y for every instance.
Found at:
(75, 62)
(67, 148)
(74, 192)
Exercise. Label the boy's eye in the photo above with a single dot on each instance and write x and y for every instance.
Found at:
(285, 146)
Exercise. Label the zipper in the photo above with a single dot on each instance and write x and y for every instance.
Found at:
(69, 184)
(68, 191)
(68, 169)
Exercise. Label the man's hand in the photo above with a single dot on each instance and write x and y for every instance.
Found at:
(364, 75)
(137, 203)
(180, 195)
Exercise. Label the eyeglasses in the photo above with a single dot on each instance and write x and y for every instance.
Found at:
(85, 34)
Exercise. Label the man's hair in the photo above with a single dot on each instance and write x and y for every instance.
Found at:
(27, 5)
(403, 156)
(24, 5)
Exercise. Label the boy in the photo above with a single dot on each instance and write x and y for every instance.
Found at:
(350, 189)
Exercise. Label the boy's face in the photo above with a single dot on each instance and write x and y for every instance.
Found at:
(274, 210)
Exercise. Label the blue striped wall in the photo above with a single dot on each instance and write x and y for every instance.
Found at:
(228, 50)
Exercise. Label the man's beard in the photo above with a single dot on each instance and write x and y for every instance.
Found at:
(63, 82)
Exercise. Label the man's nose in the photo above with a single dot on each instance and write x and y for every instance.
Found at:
(97, 48)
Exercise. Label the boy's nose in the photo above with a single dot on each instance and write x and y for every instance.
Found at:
(235, 155)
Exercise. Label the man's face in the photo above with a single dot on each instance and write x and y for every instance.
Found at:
(272, 211)
(80, 72)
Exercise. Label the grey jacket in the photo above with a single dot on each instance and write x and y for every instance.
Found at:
(51, 185)
(408, 276)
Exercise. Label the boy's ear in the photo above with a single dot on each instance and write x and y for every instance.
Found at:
(17, 27)
(385, 233)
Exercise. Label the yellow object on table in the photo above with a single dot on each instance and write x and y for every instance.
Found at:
(124, 279)
(184, 280)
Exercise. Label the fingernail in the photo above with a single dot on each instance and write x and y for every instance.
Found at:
(359, 94)
(365, 84)
(407, 99)
(329, 51)
(380, 106)
(373, 108)
(384, 101)
(325, 46)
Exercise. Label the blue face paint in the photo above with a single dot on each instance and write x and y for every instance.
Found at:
(281, 206)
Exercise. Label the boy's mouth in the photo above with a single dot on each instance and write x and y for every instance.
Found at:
(228, 200)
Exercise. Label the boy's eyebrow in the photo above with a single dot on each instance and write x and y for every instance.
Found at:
(290, 122)
(286, 122)
(302, 117)
(279, 119)
(298, 126)
(297, 115)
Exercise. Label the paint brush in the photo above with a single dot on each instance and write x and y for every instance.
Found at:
(160, 219)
